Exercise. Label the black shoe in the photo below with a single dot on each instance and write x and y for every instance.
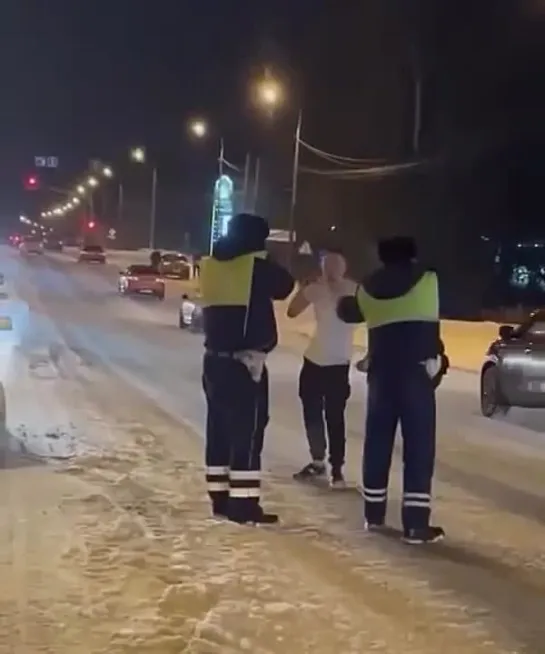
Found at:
(423, 535)
(252, 516)
(312, 470)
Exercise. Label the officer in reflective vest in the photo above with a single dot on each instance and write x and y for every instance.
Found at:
(400, 304)
(238, 285)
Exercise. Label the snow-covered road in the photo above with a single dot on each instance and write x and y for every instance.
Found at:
(110, 549)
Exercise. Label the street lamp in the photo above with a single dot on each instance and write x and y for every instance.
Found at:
(138, 155)
(198, 128)
(81, 189)
(107, 172)
(92, 182)
(76, 200)
(270, 93)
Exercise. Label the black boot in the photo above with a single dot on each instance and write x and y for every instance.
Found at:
(423, 535)
(249, 511)
(220, 505)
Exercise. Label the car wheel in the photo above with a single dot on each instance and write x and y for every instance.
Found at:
(492, 402)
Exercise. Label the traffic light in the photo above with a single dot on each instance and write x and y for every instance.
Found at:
(32, 183)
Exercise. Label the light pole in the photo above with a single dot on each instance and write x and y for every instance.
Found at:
(138, 155)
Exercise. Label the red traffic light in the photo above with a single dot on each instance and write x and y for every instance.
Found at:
(32, 183)
(91, 224)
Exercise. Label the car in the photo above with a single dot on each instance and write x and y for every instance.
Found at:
(53, 244)
(190, 315)
(513, 373)
(92, 254)
(14, 240)
(31, 245)
(142, 280)
(175, 265)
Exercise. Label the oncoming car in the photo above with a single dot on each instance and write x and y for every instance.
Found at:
(190, 314)
(513, 374)
(143, 280)
(92, 254)
(175, 265)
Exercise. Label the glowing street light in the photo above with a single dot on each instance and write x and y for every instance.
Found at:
(269, 93)
(24, 220)
(69, 206)
(75, 200)
(138, 155)
(92, 182)
(107, 172)
(198, 128)
(81, 189)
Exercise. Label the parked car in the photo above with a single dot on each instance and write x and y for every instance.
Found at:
(92, 254)
(513, 373)
(190, 314)
(175, 265)
(142, 280)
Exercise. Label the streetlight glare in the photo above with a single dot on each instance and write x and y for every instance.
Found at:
(138, 155)
(108, 172)
(92, 181)
(270, 93)
(81, 189)
(75, 200)
(198, 128)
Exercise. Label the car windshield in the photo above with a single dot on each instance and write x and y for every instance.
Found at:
(141, 270)
(174, 258)
(93, 248)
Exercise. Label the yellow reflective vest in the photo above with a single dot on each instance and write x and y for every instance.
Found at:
(419, 304)
(228, 283)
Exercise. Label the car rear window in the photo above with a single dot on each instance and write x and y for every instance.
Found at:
(141, 270)
(174, 258)
(93, 248)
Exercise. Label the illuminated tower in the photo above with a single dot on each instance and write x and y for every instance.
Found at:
(222, 209)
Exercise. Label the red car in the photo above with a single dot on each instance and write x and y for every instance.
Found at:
(141, 280)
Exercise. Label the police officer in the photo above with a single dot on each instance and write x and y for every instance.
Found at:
(400, 303)
(238, 285)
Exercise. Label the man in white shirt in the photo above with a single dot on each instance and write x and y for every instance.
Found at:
(324, 386)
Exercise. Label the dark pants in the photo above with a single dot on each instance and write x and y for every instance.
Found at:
(324, 391)
(404, 396)
(237, 414)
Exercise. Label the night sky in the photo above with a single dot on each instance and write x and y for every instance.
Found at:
(85, 80)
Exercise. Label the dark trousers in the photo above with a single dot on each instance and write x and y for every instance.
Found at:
(237, 414)
(407, 397)
(324, 391)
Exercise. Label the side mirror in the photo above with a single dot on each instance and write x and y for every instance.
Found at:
(506, 332)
